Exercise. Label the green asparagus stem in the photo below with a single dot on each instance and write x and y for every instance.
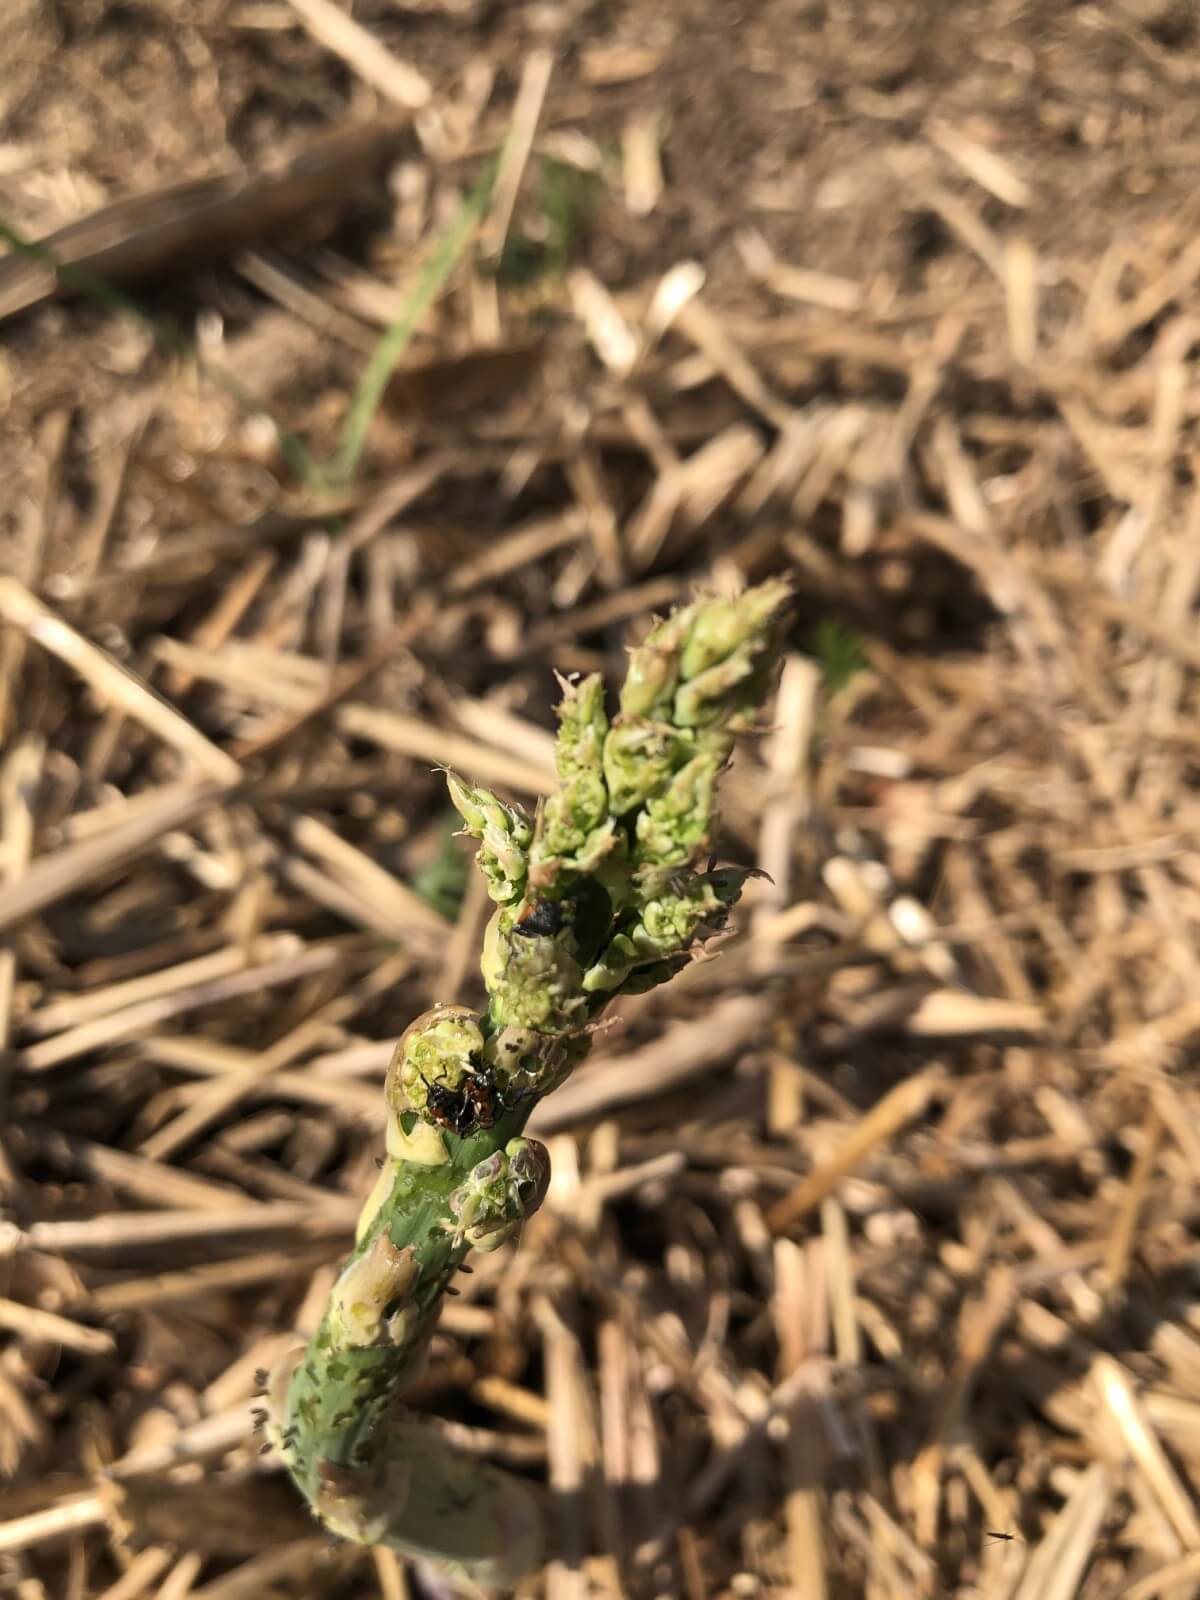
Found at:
(608, 891)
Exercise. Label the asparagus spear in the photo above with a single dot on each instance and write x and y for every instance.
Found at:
(607, 891)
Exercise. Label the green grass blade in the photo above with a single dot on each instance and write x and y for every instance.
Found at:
(377, 373)
(372, 384)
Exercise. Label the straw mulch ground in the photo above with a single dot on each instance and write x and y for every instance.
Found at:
(870, 1263)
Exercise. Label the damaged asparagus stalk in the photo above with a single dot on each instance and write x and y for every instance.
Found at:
(608, 891)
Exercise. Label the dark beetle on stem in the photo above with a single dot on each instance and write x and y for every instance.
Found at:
(474, 1104)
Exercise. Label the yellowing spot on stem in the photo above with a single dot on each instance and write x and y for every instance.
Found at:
(424, 1146)
(381, 1275)
(379, 1193)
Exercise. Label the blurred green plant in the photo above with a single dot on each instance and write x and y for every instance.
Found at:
(838, 650)
(384, 359)
(567, 199)
(442, 882)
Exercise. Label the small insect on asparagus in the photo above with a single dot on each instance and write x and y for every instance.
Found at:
(474, 1104)
(601, 892)
(543, 919)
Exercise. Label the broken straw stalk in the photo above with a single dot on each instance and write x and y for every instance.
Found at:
(607, 892)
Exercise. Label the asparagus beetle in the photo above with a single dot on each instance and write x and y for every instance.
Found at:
(474, 1104)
